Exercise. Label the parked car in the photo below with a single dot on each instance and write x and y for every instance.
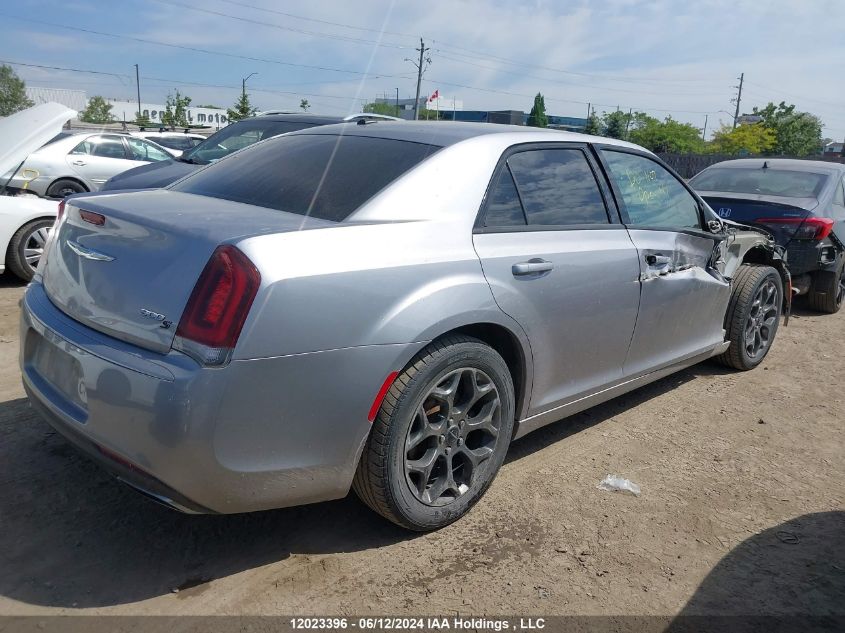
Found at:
(174, 142)
(25, 220)
(383, 307)
(801, 203)
(82, 162)
(230, 139)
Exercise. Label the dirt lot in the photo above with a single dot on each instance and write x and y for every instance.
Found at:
(742, 475)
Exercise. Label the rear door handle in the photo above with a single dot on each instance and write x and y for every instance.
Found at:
(531, 267)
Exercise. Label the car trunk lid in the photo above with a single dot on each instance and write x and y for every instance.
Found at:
(780, 216)
(125, 264)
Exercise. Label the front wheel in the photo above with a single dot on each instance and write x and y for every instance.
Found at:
(440, 436)
(753, 316)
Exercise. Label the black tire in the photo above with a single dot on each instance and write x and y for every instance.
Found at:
(828, 290)
(382, 481)
(30, 237)
(742, 320)
(65, 187)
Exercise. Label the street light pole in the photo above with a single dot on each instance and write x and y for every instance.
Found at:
(138, 85)
(243, 85)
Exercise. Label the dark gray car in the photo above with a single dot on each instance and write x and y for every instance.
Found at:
(228, 140)
(801, 203)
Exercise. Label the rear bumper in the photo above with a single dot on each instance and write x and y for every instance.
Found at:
(255, 435)
(805, 256)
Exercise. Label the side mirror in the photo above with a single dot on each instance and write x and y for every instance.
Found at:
(715, 226)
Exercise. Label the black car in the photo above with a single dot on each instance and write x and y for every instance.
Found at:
(222, 143)
(801, 203)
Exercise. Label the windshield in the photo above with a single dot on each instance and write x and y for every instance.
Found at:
(767, 182)
(322, 176)
(237, 136)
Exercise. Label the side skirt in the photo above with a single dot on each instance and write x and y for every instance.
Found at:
(527, 425)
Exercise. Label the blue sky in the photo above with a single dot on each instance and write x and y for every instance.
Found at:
(659, 56)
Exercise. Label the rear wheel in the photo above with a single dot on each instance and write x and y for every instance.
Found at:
(27, 247)
(440, 436)
(828, 290)
(753, 316)
(64, 188)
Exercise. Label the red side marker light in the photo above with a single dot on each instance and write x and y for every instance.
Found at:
(92, 218)
(60, 212)
(381, 394)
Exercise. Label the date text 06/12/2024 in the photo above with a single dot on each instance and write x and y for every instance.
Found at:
(417, 624)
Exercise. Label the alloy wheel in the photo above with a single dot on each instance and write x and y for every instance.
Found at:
(762, 319)
(452, 435)
(34, 243)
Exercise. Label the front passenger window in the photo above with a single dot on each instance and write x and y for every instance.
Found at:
(652, 196)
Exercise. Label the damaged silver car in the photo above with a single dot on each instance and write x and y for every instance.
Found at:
(382, 307)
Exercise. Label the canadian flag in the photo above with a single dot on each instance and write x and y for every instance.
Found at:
(434, 96)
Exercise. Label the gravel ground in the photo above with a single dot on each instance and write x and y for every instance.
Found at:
(741, 511)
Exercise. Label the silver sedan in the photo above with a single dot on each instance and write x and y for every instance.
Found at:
(81, 162)
(381, 307)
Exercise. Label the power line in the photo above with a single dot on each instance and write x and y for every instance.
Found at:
(332, 36)
(300, 17)
(189, 48)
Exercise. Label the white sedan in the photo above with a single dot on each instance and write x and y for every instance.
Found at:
(25, 221)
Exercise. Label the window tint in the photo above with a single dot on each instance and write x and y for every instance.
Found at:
(503, 206)
(653, 197)
(558, 187)
(139, 149)
(108, 147)
(324, 176)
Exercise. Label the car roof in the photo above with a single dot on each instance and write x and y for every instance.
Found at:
(445, 133)
(793, 164)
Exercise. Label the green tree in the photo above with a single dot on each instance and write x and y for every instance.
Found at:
(537, 117)
(12, 92)
(753, 138)
(796, 133)
(382, 108)
(98, 110)
(176, 110)
(614, 124)
(304, 105)
(242, 109)
(664, 136)
(593, 125)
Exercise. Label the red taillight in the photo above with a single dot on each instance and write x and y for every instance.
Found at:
(93, 218)
(805, 229)
(60, 212)
(218, 306)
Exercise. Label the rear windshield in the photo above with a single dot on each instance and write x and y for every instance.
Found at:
(768, 182)
(239, 135)
(323, 176)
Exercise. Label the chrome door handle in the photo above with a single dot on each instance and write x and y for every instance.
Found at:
(531, 267)
(79, 163)
(657, 261)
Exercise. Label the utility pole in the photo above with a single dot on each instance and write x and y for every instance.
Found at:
(738, 97)
(397, 102)
(704, 131)
(138, 86)
(420, 67)
(589, 110)
(628, 120)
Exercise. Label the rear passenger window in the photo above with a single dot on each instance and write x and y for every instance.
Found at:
(653, 197)
(503, 207)
(557, 187)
